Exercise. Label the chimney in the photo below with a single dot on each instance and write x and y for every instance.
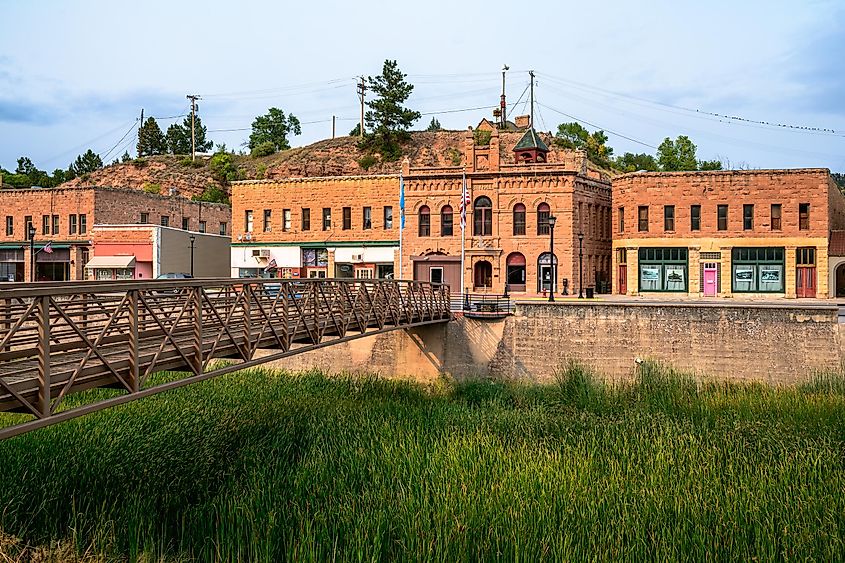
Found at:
(522, 121)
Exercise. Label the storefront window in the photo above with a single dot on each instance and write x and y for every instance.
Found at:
(757, 270)
(663, 269)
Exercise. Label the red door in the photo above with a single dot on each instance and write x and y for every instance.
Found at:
(623, 279)
(805, 280)
(710, 281)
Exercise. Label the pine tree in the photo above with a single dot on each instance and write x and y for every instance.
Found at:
(434, 125)
(85, 163)
(178, 137)
(150, 139)
(388, 120)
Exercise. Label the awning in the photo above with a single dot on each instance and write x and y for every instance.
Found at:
(111, 262)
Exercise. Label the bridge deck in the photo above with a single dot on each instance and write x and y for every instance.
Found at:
(56, 340)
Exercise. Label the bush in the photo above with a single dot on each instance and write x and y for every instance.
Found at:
(188, 161)
(151, 188)
(264, 149)
(223, 169)
(454, 156)
(482, 137)
(366, 161)
(260, 172)
(140, 162)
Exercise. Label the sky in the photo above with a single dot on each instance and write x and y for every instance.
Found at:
(755, 83)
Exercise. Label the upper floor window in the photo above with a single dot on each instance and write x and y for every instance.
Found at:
(543, 213)
(388, 217)
(482, 213)
(10, 225)
(45, 224)
(83, 223)
(202, 226)
(621, 211)
(446, 221)
(71, 225)
(695, 218)
(518, 219)
(55, 224)
(425, 221)
(368, 218)
(722, 217)
(306, 218)
(248, 220)
(145, 218)
(347, 218)
(327, 218)
(642, 217)
(186, 223)
(668, 217)
(223, 228)
(804, 216)
(776, 214)
(165, 220)
(268, 220)
(747, 217)
(286, 223)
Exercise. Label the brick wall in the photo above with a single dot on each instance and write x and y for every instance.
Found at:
(121, 207)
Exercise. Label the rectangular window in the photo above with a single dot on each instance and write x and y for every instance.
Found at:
(722, 217)
(425, 222)
(27, 223)
(757, 270)
(223, 228)
(542, 221)
(248, 221)
(202, 226)
(165, 221)
(145, 218)
(347, 218)
(805, 256)
(621, 219)
(446, 223)
(804, 216)
(368, 218)
(268, 220)
(695, 218)
(45, 224)
(519, 220)
(327, 218)
(10, 225)
(668, 217)
(642, 214)
(286, 226)
(71, 226)
(306, 218)
(186, 223)
(388, 217)
(55, 224)
(83, 223)
(747, 217)
(663, 269)
(776, 213)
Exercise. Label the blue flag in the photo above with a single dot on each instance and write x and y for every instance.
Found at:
(401, 202)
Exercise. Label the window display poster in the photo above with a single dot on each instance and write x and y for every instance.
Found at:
(744, 274)
(650, 273)
(675, 276)
(770, 275)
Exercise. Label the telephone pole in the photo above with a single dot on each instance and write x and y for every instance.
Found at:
(333, 126)
(193, 98)
(531, 74)
(140, 126)
(503, 106)
(362, 88)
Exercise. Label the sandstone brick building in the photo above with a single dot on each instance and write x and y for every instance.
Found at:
(67, 216)
(349, 226)
(725, 233)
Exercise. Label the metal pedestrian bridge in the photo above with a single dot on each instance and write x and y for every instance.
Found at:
(57, 339)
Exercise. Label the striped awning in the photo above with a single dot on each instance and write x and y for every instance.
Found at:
(111, 262)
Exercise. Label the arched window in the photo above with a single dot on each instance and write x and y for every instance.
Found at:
(543, 212)
(425, 221)
(546, 272)
(516, 271)
(483, 274)
(446, 221)
(482, 213)
(518, 219)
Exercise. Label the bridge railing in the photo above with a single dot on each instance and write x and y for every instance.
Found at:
(58, 339)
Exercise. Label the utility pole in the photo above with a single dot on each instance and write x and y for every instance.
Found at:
(362, 88)
(531, 74)
(193, 98)
(140, 126)
(333, 128)
(502, 103)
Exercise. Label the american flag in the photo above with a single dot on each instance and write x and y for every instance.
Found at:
(48, 248)
(464, 203)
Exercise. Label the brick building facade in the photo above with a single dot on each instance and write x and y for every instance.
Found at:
(67, 216)
(349, 226)
(725, 233)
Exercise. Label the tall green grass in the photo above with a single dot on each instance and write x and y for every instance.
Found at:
(261, 466)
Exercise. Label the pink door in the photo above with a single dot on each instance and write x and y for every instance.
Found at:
(709, 282)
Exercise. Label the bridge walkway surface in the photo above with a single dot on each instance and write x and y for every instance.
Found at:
(60, 339)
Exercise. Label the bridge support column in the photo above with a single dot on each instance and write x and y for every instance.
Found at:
(196, 317)
(134, 322)
(43, 313)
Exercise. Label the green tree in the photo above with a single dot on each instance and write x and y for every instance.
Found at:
(26, 167)
(178, 137)
(274, 127)
(356, 131)
(575, 136)
(710, 165)
(85, 163)
(839, 178)
(223, 168)
(434, 125)
(630, 162)
(125, 157)
(151, 140)
(677, 155)
(387, 119)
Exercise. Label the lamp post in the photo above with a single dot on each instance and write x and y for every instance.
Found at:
(580, 265)
(552, 262)
(192, 239)
(31, 233)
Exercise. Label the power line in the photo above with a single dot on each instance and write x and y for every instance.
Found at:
(106, 155)
(579, 120)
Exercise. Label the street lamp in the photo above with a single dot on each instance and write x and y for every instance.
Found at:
(192, 239)
(31, 233)
(553, 274)
(580, 265)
